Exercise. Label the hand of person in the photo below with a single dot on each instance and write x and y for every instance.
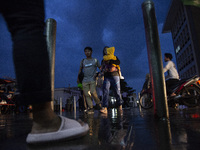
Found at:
(78, 81)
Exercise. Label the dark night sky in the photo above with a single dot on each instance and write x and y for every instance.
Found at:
(96, 23)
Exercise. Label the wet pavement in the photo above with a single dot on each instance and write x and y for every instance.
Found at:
(136, 129)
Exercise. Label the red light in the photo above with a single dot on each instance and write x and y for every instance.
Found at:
(195, 116)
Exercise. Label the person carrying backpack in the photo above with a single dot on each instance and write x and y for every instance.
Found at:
(88, 67)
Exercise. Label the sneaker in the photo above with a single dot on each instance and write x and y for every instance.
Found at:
(90, 111)
(85, 110)
(104, 110)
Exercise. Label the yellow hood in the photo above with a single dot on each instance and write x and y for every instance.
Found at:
(110, 50)
(110, 54)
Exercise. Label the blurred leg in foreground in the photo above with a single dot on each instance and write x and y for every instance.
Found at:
(25, 21)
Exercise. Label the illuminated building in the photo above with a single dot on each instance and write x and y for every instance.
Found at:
(183, 21)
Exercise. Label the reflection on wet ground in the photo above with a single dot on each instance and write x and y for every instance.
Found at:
(136, 129)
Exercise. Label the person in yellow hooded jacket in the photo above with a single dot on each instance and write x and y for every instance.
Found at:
(110, 56)
(110, 69)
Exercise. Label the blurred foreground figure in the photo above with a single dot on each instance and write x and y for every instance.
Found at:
(25, 21)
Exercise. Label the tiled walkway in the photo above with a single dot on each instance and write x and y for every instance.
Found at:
(137, 129)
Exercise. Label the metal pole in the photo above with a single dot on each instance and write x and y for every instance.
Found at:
(163, 133)
(60, 105)
(51, 44)
(75, 107)
(155, 60)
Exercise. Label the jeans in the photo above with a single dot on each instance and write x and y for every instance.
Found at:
(113, 81)
(25, 21)
(90, 87)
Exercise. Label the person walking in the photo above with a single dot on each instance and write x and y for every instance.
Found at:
(99, 83)
(172, 77)
(82, 98)
(89, 66)
(111, 78)
(147, 83)
(25, 21)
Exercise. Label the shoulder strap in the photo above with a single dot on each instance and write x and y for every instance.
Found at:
(82, 63)
(95, 61)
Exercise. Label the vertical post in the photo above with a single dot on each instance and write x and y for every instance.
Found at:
(163, 133)
(51, 44)
(155, 60)
(74, 107)
(60, 105)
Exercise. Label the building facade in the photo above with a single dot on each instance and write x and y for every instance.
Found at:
(183, 21)
(65, 94)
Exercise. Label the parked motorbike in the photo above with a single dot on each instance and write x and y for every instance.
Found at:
(187, 93)
(7, 104)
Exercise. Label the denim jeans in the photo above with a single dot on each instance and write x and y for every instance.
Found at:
(113, 81)
(25, 21)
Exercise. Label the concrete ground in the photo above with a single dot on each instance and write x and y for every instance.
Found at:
(136, 129)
